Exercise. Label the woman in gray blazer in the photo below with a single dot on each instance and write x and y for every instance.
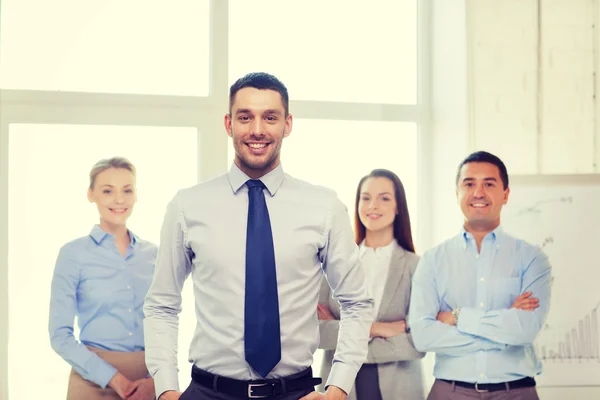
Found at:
(392, 369)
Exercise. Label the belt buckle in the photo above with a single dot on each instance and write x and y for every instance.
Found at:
(251, 386)
(478, 390)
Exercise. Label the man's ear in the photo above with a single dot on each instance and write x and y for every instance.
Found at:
(506, 195)
(227, 123)
(289, 122)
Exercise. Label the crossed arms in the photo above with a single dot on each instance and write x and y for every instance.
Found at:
(478, 329)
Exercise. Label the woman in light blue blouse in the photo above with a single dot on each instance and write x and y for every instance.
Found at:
(102, 279)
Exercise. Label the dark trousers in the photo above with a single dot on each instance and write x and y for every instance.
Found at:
(196, 391)
(367, 383)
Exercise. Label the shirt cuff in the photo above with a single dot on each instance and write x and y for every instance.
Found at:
(166, 379)
(469, 320)
(102, 372)
(342, 376)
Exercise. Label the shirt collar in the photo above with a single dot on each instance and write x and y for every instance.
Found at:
(99, 235)
(387, 249)
(493, 235)
(272, 180)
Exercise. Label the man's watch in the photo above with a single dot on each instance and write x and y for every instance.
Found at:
(455, 314)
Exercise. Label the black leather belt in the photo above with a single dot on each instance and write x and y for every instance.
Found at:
(256, 389)
(494, 387)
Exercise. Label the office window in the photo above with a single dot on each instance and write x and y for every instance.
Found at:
(48, 207)
(336, 50)
(110, 46)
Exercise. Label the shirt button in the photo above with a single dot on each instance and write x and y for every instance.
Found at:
(482, 279)
(130, 310)
(128, 287)
(130, 334)
(477, 256)
(481, 305)
(481, 374)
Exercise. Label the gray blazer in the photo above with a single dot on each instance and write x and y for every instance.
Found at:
(398, 363)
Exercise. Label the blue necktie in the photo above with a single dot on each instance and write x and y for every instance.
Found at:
(262, 343)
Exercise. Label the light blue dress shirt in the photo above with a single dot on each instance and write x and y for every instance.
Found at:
(105, 291)
(491, 342)
(204, 233)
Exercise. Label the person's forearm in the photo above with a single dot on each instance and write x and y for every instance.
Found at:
(85, 362)
(352, 346)
(396, 348)
(513, 326)
(161, 331)
(435, 336)
(510, 326)
(387, 329)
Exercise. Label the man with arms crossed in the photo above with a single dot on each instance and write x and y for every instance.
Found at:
(257, 243)
(480, 298)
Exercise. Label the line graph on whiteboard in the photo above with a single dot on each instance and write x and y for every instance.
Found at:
(565, 221)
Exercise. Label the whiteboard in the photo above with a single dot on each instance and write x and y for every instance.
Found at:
(562, 214)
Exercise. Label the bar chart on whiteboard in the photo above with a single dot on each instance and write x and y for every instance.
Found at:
(578, 343)
(564, 219)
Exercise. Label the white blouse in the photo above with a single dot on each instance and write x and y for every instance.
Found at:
(376, 264)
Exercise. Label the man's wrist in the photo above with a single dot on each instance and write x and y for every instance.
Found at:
(338, 392)
(166, 395)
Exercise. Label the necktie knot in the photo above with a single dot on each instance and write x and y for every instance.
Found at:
(255, 183)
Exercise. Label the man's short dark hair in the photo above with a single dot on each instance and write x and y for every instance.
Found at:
(485, 157)
(262, 81)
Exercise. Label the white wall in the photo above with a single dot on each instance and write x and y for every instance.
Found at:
(505, 102)
(532, 80)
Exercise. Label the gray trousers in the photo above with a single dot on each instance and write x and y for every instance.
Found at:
(446, 391)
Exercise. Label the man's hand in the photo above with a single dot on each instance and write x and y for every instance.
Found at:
(332, 393)
(387, 329)
(446, 317)
(120, 384)
(526, 302)
(142, 389)
(324, 313)
(170, 395)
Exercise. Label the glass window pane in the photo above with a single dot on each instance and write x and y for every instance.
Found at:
(48, 207)
(336, 50)
(111, 46)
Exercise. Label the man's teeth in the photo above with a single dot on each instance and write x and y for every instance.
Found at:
(257, 145)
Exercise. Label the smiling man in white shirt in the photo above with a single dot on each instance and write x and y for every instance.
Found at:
(257, 243)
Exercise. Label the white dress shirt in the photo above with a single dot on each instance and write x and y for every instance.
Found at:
(376, 264)
(204, 233)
